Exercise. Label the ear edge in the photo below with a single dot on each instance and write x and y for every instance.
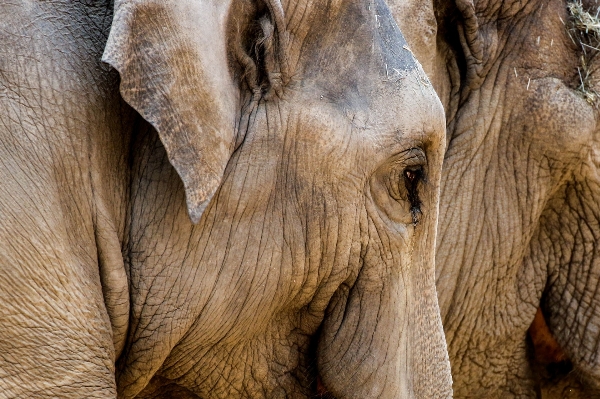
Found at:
(200, 170)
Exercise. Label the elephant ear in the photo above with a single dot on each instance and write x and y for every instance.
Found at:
(173, 63)
(571, 301)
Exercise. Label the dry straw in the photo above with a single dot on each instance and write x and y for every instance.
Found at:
(584, 30)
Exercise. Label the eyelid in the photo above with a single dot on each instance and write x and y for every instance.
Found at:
(412, 159)
(415, 157)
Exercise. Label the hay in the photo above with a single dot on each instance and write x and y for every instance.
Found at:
(584, 30)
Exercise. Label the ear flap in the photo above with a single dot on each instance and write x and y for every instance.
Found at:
(472, 43)
(173, 63)
(571, 301)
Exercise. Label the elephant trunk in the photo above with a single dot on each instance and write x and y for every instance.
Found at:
(383, 336)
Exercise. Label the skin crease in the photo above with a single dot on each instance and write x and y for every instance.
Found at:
(519, 214)
(309, 157)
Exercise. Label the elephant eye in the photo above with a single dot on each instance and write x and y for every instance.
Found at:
(412, 177)
(403, 177)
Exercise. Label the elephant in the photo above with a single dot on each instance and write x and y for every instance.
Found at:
(517, 261)
(217, 199)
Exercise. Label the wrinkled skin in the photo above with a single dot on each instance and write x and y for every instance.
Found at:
(520, 197)
(305, 144)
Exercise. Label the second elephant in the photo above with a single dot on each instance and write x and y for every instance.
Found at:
(520, 199)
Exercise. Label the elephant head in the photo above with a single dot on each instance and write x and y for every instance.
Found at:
(309, 144)
(520, 192)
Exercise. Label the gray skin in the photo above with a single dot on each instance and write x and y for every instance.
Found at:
(520, 194)
(247, 202)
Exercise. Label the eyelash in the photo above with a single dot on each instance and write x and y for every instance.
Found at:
(412, 177)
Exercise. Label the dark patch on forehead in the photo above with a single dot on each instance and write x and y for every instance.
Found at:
(395, 52)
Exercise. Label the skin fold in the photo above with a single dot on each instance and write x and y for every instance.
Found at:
(244, 206)
(520, 195)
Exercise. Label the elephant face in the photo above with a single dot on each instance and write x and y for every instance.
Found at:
(519, 216)
(309, 143)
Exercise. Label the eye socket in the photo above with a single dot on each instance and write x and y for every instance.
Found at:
(401, 179)
(412, 177)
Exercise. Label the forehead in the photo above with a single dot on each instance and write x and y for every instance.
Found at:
(359, 55)
(356, 79)
(392, 121)
(360, 37)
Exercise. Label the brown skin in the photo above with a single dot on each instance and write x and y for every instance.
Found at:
(519, 210)
(62, 280)
(305, 143)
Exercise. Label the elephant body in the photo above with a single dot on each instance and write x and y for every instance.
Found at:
(62, 221)
(244, 205)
